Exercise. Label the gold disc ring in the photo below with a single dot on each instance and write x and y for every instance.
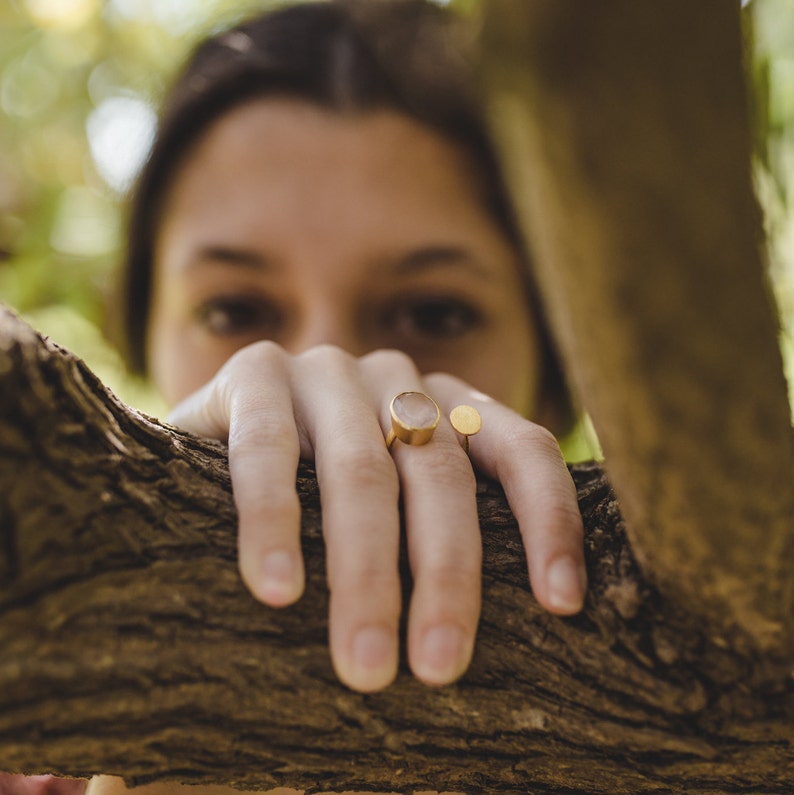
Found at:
(466, 420)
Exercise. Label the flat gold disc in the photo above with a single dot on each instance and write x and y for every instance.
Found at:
(466, 420)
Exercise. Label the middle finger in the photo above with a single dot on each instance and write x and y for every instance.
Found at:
(438, 488)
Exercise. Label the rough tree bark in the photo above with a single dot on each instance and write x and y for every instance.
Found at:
(128, 644)
(625, 130)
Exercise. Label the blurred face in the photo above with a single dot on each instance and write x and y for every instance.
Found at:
(291, 223)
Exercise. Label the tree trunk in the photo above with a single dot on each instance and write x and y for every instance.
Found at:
(625, 131)
(128, 644)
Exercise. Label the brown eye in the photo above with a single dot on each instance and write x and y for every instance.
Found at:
(227, 316)
(433, 319)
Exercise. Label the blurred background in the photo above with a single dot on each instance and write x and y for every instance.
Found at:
(80, 81)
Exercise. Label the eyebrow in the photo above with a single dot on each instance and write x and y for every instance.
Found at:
(432, 257)
(423, 259)
(238, 257)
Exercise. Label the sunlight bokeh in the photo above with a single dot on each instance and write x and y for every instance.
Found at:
(65, 14)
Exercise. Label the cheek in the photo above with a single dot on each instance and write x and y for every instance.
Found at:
(179, 360)
(178, 363)
(506, 366)
(520, 371)
(524, 360)
(512, 378)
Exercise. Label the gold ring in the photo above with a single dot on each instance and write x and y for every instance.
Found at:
(414, 417)
(466, 420)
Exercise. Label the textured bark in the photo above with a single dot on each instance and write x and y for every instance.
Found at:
(128, 644)
(625, 131)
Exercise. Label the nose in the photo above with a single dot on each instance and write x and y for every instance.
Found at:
(327, 326)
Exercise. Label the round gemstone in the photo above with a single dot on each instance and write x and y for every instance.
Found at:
(415, 410)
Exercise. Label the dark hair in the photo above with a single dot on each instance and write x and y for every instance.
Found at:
(345, 55)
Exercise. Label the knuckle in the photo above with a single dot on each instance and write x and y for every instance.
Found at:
(263, 447)
(263, 353)
(363, 579)
(366, 466)
(261, 432)
(535, 437)
(444, 382)
(281, 502)
(389, 357)
(326, 355)
(451, 470)
(562, 514)
(452, 577)
(255, 362)
(276, 507)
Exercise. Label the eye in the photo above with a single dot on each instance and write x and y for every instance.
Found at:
(228, 316)
(433, 318)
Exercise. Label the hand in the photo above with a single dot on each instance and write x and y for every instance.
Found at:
(330, 406)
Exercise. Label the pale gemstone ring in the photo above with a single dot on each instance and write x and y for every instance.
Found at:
(414, 418)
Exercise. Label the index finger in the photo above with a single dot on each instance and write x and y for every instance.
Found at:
(250, 402)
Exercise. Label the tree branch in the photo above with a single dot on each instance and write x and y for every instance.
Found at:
(128, 644)
(625, 131)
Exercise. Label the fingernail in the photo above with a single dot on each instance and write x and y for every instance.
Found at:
(279, 583)
(443, 655)
(374, 658)
(565, 583)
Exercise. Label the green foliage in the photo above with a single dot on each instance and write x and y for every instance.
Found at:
(772, 82)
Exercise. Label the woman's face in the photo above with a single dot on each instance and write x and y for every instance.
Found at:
(296, 224)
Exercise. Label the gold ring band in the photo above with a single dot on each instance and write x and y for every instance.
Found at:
(414, 418)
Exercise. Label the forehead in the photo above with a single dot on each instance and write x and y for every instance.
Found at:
(281, 144)
(307, 123)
